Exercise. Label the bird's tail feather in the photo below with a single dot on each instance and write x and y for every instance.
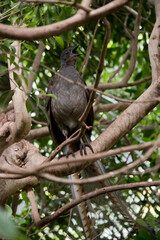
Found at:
(78, 190)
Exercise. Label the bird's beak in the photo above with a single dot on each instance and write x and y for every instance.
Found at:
(75, 48)
(74, 51)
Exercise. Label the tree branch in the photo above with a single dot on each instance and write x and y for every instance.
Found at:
(153, 46)
(37, 133)
(22, 120)
(56, 167)
(34, 205)
(79, 19)
(134, 45)
(93, 194)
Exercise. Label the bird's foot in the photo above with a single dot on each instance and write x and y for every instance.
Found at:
(83, 148)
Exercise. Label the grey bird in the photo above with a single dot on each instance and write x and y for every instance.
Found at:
(63, 113)
(69, 104)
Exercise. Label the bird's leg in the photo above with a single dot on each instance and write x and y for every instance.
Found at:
(67, 150)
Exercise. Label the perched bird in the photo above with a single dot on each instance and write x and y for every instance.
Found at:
(71, 99)
(64, 112)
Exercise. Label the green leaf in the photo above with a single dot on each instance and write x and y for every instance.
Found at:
(145, 235)
(158, 236)
(141, 222)
(29, 15)
(50, 95)
(8, 210)
(60, 41)
(36, 99)
(25, 198)
(25, 79)
(12, 59)
(44, 112)
(5, 98)
(13, 49)
(5, 48)
(28, 46)
(17, 79)
(28, 105)
(39, 90)
(3, 69)
(8, 229)
(32, 103)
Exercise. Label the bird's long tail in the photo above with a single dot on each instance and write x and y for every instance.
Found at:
(82, 209)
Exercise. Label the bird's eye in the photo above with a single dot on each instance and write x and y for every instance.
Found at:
(67, 53)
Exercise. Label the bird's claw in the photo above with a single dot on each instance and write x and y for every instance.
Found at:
(83, 148)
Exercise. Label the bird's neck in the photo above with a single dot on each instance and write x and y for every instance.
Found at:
(69, 63)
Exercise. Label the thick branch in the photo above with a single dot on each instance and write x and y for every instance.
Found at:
(58, 28)
(22, 120)
(153, 46)
(18, 153)
(37, 133)
(143, 105)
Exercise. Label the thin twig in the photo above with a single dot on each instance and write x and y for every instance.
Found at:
(134, 45)
(84, 66)
(73, 138)
(35, 65)
(106, 175)
(1, 15)
(74, 4)
(99, 70)
(101, 87)
(120, 65)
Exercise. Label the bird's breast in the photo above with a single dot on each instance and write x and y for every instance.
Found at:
(69, 105)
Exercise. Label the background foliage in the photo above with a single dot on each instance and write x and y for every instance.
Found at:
(144, 203)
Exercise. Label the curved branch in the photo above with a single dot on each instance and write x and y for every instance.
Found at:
(93, 194)
(37, 133)
(22, 117)
(80, 18)
(115, 85)
(134, 46)
(153, 48)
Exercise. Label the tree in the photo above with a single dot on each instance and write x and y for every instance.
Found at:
(120, 63)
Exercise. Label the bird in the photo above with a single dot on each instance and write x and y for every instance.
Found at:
(64, 111)
(69, 103)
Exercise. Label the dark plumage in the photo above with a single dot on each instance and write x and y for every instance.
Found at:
(71, 101)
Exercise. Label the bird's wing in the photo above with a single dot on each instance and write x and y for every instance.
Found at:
(90, 117)
(56, 133)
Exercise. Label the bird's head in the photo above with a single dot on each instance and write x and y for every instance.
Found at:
(69, 56)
